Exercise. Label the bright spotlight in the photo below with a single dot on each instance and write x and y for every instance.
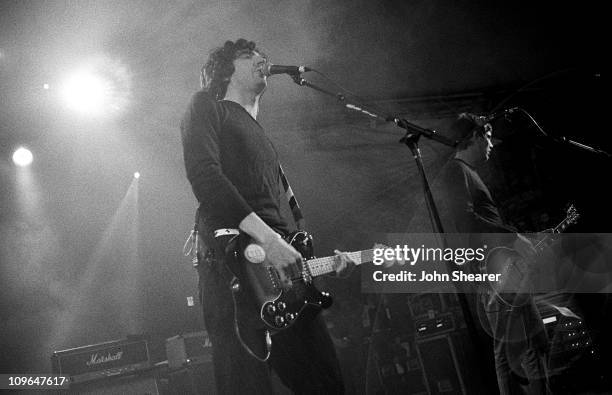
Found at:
(86, 92)
(99, 87)
(22, 157)
(137, 175)
(46, 86)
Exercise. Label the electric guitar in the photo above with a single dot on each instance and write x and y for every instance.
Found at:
(514, 270)
(262, 307)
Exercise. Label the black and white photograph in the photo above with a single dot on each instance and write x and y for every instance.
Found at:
(304, 197)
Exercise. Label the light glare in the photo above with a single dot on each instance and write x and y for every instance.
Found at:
(86, 92)
(137, 175)
(22, 157)
(100, 87)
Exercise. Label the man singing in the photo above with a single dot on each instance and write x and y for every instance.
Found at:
(234, 171)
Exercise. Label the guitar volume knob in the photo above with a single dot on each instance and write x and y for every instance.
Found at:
(270, 309)
(290, 316)
(279, 321)
(282, 306)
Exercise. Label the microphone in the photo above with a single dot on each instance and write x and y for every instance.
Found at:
(498, 114)
(271, 69)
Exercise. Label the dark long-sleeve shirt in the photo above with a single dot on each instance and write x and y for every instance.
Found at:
(232, 166)
(469, 200)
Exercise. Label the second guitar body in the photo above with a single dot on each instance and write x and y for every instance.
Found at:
(515, 271)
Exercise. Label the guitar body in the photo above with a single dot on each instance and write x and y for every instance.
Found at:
(512, 288)
(515, 280)
(262, 307)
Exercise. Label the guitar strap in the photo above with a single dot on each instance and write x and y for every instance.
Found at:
(293, 203)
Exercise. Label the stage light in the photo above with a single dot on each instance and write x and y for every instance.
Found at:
(45, 86)
(22, 157)
(137, 175)
(86, 92)
(99, 87)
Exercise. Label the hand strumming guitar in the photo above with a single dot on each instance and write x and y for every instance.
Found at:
(277, 251)
(281, 255)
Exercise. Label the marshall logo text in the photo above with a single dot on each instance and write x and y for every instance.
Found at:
(97, 359)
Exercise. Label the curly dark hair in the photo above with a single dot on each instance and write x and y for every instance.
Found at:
(218, 69)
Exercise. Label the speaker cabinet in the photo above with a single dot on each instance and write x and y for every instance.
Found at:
(441, 367)
(128, 385)
(192, 379)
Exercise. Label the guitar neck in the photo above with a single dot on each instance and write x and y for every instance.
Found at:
(562, 226)
(570, 219)
(321, 266)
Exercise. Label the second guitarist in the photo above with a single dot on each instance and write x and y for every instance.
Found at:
(518, 332)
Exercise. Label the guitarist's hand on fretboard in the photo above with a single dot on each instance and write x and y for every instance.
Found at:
(343, 264)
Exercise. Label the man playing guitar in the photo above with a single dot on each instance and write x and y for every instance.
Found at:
(518, 333)
(235, 174)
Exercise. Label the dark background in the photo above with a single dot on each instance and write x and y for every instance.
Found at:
(89, 255)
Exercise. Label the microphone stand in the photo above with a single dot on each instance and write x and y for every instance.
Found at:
(564, 140)
(411, 139)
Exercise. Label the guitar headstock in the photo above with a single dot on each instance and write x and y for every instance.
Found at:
(572, 215)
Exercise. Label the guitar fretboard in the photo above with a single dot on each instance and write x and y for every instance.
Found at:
(325, 265)
(572, 217)
(563, 225)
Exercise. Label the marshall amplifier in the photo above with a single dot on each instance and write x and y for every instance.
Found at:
(117, 357)
(120, 385)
